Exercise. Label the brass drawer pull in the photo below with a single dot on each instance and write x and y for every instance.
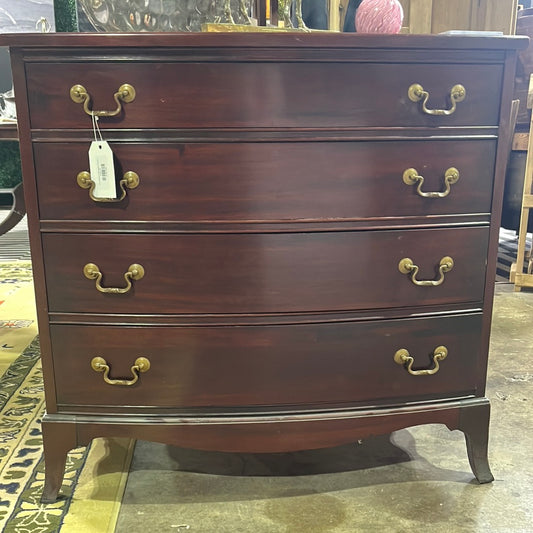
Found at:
(92, 271)
(402, 357)
(416, 93)
(99, 364)
(129, 181)
(411, 177)
(406, 266)
(125, 93)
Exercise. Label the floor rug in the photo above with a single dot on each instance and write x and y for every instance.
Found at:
(18, 324)
(95, 476)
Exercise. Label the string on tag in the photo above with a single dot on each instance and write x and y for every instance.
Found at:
(96, 128)
(101, 165)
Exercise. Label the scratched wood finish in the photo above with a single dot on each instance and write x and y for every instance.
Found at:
(205, 366)
(270, 181)
(334, 94)
(264, 273)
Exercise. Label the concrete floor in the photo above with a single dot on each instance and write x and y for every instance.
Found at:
(415, 480)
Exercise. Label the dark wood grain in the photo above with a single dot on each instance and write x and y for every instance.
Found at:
(272, 181)
(263, 273)
(255, 434)
(268, 432)
(237, 366)
(273, 96)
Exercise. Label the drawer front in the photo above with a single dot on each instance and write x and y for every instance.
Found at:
(271, 181)
(262, 94)
(266, 365)
(263, 273)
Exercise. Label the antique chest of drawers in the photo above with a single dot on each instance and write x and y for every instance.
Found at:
(301, 251)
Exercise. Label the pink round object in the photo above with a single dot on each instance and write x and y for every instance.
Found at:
(379, 16)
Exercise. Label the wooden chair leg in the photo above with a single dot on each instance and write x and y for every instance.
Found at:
(18, 210)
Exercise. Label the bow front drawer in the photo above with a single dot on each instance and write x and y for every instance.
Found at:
(273, 181)
(266, 365)
(263, 273)
(196, 93)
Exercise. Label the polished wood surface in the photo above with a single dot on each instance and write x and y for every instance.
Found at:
(204, 366)
(271, 181)
(305, 431)
(263, 273)
(334, 94)
(270, 219)
(226, 44)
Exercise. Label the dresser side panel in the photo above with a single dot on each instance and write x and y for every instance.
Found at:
(32, 209)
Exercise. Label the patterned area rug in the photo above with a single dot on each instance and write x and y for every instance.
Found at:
(18, 326)
(95, 476)
(94, 479)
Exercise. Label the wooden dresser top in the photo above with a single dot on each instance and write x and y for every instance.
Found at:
(267, 40)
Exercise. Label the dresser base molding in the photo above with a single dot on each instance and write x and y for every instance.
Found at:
(264, 434)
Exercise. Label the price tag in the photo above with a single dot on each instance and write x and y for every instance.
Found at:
(102, 170)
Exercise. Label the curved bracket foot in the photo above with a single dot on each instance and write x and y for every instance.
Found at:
(474, 423)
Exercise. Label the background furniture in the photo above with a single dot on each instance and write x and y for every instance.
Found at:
(517, 274)
(303, 251)
(8, 132)
(17, 210)
(10, 185)
(19, 16)
(514, 181)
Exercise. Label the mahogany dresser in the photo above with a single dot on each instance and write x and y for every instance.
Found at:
(301, 248)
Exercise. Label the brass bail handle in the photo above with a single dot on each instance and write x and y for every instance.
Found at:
(80, 95)
(416, 93)
(406, 266)
(92, 271)
(142, 364)
(411, 177)
(403, 357)
(130, 180)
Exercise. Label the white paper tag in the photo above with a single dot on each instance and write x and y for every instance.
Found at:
(102, 170)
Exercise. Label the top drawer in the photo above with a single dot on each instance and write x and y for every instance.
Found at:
(263, 94)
